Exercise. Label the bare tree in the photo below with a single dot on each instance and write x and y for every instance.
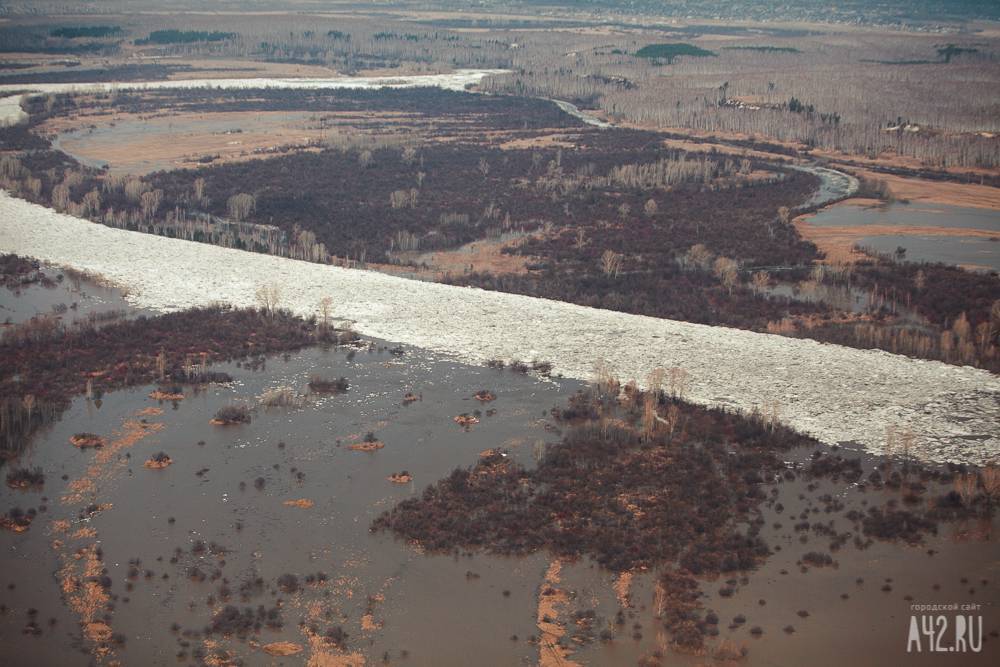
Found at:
(990, 479)
(783, 215)
(649, 415)
(240, 206)
(150, 203)
(677, 381)
(60, 197)
(91, 202)
(134, 187)
(965, 487)
(611, 263)
(699, 256)
(654, 381)
(325, 309)
(760, 281)
(726, 270)
(268, 298)
(199, 191)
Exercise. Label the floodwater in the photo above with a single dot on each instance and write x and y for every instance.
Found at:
(229, 485)
(962, 250)
(967, 251)
(71, 299)
(901, 213)
(349, 489)
(84, 144)
(851, 300)
(867, 628)
(202, 491)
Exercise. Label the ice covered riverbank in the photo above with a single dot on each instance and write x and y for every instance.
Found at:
(11, 112)
(835, 393)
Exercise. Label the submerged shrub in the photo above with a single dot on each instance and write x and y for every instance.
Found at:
(233, 414)
(322, 385)
(24, 478)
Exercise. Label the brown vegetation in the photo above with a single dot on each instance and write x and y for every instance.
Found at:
(403, 477)
(44, 363)
(86, 440)
(158, 461)
(229, 415)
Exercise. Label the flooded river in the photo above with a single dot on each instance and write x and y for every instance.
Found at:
(284, 495)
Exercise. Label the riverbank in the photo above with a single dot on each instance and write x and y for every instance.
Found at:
(835, 393)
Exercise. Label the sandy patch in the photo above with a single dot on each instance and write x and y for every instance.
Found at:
(158, 464)
(164, 396)
(623, 589)
(86, 440)
(326, 659)
(465, 420)
(550, 601)
(282, 648)
(366, 446)
(142, 144)
(543, 141)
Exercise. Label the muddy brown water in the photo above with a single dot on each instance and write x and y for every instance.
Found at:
(870, 626)
(348, 489)
(438, 609)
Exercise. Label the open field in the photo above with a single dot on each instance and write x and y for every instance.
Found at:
(937, 192)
